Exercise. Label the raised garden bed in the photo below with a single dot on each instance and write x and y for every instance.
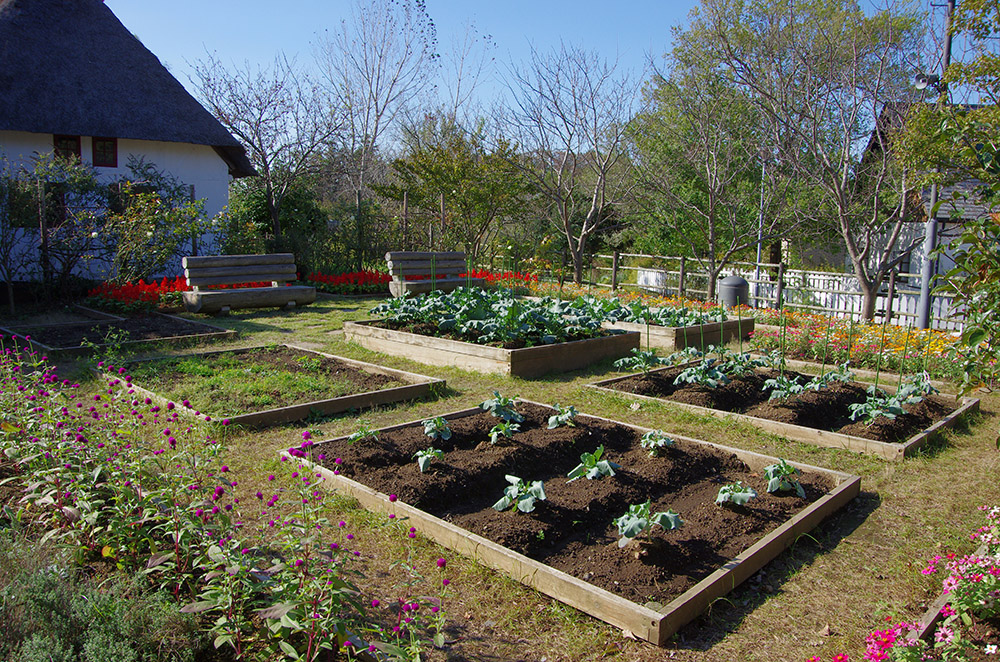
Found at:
(817, 417)
(672, 338)
(524, 362)
(568, 546)
(262, 386)
(127, 332)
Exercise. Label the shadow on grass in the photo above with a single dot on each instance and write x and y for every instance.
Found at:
(726, 614)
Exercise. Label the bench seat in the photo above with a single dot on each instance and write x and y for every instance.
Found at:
(445, 266)
(209, 270)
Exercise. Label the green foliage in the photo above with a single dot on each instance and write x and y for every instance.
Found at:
(703, 374)
(506, 429)
(563, 416)
(437, 428)
(426, 456)
(502, 407)
(640, 360)
(736, 494)
(592, 466)
(520, 495)
(656, 442)
(639, 521)
(779, 478)
(363, 432)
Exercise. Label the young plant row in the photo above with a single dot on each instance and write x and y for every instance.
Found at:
(522, 495)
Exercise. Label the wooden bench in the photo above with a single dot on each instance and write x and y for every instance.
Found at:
(209, 270)
(446, 268)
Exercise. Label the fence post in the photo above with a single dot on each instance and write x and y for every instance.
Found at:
(680, 278)
(778, 302)
(892, 295)
(614, 271)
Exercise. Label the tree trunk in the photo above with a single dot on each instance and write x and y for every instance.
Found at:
(10, 296)
(869, 293)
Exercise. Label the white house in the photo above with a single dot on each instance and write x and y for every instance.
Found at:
(74, 80)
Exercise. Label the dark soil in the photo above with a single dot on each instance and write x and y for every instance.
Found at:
(140, 327)
(427, 329)
(981, 633)
(572, 530)
(819, 410)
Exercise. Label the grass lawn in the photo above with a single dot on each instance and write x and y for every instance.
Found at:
(820, 597)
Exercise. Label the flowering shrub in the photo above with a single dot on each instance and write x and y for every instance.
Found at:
(113, 475)
(354, 282)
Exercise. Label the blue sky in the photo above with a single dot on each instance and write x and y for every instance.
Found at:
(180, 31)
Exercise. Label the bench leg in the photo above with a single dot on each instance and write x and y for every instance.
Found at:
(290, 305)
(222, 311)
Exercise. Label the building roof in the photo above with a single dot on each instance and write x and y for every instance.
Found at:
(70, 67)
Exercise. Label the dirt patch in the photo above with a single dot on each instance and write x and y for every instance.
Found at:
(139, 327)
(249, 381)
(820, 410)
(572, 530)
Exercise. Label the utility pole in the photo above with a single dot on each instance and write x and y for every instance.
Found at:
(929, 268)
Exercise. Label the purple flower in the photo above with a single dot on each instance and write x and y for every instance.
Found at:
(393, 498)
(441, 563)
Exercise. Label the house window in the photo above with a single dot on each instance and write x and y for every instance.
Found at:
(66, 146)
(106, 152)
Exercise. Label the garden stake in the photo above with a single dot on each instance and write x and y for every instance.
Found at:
(739, 330)
(850, 338)
(781, 366)
(826, 345)
(881, 348)
(902, 362)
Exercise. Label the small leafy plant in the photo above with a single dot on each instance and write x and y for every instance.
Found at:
(502, 407)
(741, 363)
(735, 493)
(655, 442)
(563, 416)
(505, 429)
(520, 494)
(437, 428)
(640, 360)
(363, 432)
(705, 373)
(426, 456)
(913, 389)
(638, 521)
(783, 388)
(592, 466)
(779, 478)
(877, 404)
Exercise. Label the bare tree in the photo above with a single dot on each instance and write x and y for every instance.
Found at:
(278, 114)
(373, 67)
(569, 113)
(828, 77)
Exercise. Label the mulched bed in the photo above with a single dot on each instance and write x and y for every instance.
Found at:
(572, 530)
(425, 329)
(819, 410)
(140, 327)
(340, 378)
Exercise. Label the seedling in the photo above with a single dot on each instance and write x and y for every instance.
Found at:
(505, 429)
(877, 404)
(689, 353)
(640, 360)
(363, 432)
(740, 363)
(735, 493)
(564, 416)
(783, 387)
(779, 478)
(655, 442)
(703, 374)
(638, 521)
(502, 407)
(913, 389)
(437, 428)
(592, 466)
(426, 456)
(520, 494)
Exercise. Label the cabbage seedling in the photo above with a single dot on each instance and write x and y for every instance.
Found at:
(592, 466)
(502, 407)
(564, 416)
(779, 478)
(638, 521)
(655, 442)
(364, 432)
(426, 456)
(437, 428)
(735, 493)
(520, 494)
(505, 429)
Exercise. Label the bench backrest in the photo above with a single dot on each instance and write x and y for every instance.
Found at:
(207, 270)
(443, 264)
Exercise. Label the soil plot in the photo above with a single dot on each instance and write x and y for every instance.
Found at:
(129, 330)
(274, 384)
(572, 530)
(822, 417)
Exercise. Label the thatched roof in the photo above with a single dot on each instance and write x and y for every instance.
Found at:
(71, 67)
